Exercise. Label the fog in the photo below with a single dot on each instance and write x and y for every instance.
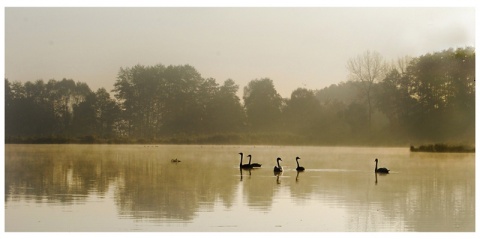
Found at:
(431, 101)
(295, 47)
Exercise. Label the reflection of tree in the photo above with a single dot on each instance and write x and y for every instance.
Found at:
(423, 194)
(450, 196)
(22, 177)
(438, 200)
(149, 186)
(174, 191)
(259, 192)
(56, 173)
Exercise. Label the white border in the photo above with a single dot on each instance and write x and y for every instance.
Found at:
(235, 3)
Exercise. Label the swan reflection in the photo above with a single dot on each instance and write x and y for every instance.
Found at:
(241, 173)
(278, 174)
(381, 174)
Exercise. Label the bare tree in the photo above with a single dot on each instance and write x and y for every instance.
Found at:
(368, 68)
(402, 64)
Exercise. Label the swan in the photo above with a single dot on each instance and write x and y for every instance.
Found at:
(254, 165)
(298, 165)
(279, 168)
(380, 170)
(243, 165)
(175, 161)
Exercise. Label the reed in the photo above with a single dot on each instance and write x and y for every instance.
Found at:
(443, 148)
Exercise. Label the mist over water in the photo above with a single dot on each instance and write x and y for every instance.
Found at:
(157, 119)
(138, 188)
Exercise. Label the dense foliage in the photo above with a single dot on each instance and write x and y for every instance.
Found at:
(430, 99)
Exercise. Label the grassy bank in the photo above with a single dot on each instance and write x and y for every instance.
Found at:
(240, 139)
(443, 148)
(225, 138)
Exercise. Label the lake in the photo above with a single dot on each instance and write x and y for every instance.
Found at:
(123, 188)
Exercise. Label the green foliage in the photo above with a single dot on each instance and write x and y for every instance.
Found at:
(302, 112)
(161, 101)
(262, 105)
(428, 99)
(434, 99)
(443, 148)
(59, 109)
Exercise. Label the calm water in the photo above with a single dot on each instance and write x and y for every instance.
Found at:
(138, 188)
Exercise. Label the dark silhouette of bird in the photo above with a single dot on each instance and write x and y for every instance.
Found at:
(299, 168)
(254, 165)
(279, 168)
(243, 165)
(380, 170)
(175, 161)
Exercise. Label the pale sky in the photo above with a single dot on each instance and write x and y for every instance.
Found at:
(295, 47)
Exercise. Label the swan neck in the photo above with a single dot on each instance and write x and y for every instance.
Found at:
(298, 165)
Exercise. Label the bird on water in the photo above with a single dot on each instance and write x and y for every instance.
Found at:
(279, 168)
(245, 166)
(299, 168)
(254, 165)
(380, 170)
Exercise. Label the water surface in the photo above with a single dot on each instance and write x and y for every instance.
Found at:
(137, 188)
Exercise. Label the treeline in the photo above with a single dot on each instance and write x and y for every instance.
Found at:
(430, 98)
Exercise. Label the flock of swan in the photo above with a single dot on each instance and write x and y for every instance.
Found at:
(299, 168)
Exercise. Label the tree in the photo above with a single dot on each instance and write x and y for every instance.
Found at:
(443, 87)
(225, 112)
(356, 117)
(138, 90)
(62, 93)
(394, 100)
(262, 104)
(107, 113)
(84, 117)
(39, 109)
(368, 68)
(302, 112)
(182, 109)
(162, 101)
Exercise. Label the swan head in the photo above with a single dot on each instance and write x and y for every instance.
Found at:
(249, 156)
(376, 160)
(297, 157)
(279, 159)
(241, 154)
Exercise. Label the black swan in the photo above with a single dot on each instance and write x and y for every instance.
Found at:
(279, 168)
(243, 165)
(254, 165)
(298, 165)
(380, 170)
(175, 161)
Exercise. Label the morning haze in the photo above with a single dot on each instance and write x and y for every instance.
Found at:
(240, 75)
(240, 119)
(295, 47)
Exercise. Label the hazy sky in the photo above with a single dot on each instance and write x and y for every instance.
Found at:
(295, 47)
